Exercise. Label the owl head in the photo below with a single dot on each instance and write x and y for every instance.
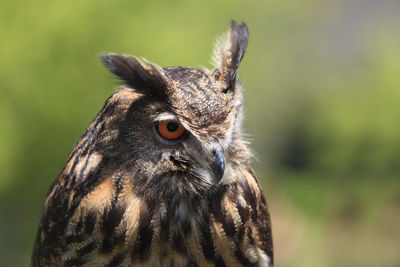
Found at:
(175, 130)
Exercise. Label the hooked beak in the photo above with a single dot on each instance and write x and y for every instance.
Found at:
(218, 165)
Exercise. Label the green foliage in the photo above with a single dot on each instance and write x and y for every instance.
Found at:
(355, 127)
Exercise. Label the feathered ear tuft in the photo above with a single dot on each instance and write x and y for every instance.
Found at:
(144, 77)
(228, 52)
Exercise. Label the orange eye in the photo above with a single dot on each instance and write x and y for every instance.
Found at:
(170, 130)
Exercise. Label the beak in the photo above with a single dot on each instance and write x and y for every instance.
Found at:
(218, 165)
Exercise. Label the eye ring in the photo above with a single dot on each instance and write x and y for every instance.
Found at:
(170, 129)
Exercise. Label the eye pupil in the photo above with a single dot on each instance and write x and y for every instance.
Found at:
(172, 126)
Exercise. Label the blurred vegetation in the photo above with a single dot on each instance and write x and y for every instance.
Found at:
(322, 91)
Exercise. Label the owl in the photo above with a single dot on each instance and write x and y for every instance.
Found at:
(161, 177)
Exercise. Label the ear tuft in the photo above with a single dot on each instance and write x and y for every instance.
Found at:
(142, 76)
(229, 50)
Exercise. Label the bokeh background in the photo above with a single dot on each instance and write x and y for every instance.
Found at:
(322, 82)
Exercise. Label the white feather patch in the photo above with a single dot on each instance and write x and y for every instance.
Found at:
(264, 260)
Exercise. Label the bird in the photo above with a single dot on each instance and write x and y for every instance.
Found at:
(162, 175)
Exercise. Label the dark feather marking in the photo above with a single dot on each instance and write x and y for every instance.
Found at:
(53, 225)
(229, 226)
(263, 222)
(143, 243)
(69, 239)
(71, 171)
(111, 220)
(79, 225)
(178, 242)
(90, 222)
(88, 184)
(244, 214)
(215, 199)
(191, 262)
(164, 231)
(117, 260)
(264, 231)
(74, 262)
(186, 227)
(260, 216)
(118, 186)
(206, 242)
(250, 236)
(240, 233)
(217, 210)
(86, 249)
(250, 198)
(219, 262)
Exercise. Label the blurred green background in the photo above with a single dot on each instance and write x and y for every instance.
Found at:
(322, 87)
